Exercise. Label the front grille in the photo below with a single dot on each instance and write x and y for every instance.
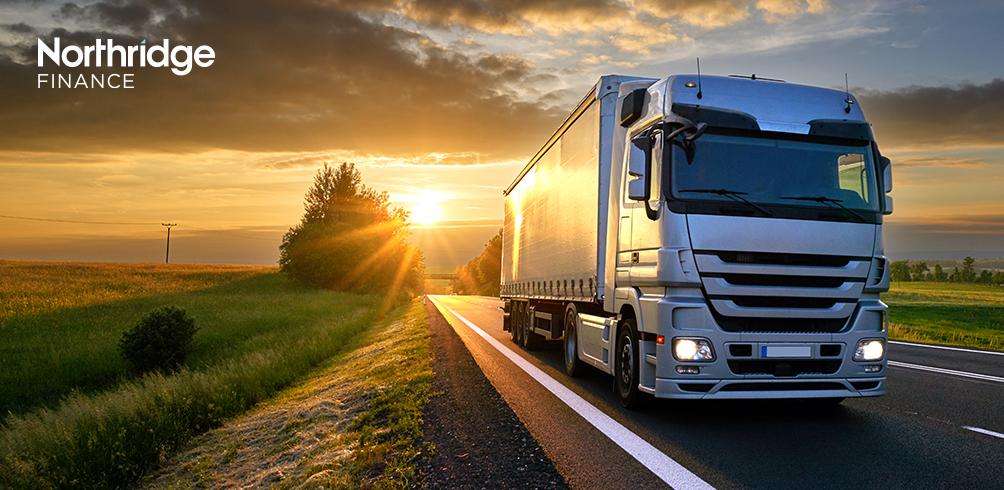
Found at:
(779, 325)
(782, 302)
(781, 292)
(783, 368)
(784, 281)
(783, 259)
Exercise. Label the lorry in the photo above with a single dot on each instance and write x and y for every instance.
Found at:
(705, 238)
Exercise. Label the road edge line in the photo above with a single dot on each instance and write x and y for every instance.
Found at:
(946, 347)
(964, 374)
(984, 431)
(664, 467)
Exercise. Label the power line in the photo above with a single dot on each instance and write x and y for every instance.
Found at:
(217, 232)
(76, 221)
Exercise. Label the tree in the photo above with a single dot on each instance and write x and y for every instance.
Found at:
(482, 274)
(918, 271)
(351, 239)
(939, 274)
(968, 269)
(986, 277)
(900, 271)
(956, 276)
(999, 278)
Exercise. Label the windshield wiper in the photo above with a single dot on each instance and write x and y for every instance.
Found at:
(735, 195)
(828, 200)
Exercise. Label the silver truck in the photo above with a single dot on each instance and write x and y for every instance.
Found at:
(705, 237)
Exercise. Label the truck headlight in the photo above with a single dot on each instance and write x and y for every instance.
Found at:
(693, 350)
(869, 350)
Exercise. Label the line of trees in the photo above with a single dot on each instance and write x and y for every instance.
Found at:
(483, 274)
(904, 271)
(351, 239)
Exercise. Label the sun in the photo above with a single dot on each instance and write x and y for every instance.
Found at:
(426, 213)
(426, 210)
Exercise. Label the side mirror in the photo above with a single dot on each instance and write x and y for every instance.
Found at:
(632, 106)
(888, 205)
(886, 165)
(641, 148)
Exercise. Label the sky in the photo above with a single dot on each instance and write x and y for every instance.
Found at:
(441, 103)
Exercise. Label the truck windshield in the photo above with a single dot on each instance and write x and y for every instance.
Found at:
(777, 171)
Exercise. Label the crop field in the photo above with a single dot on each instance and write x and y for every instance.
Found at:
(947, 313)
(71, 411)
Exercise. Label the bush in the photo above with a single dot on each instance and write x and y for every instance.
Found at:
(159, 342)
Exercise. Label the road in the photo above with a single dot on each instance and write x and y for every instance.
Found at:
(940, 425)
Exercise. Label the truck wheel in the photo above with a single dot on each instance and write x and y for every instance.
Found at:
(531, 340)
(626, 365)
(514, 322)
(570, 342)
(518, 325)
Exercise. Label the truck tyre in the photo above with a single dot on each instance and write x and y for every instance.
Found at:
(514, 322)
(518, 325)
(626, 365)
(570, 342)
(531, 340)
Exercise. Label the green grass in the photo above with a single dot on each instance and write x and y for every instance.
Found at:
(77, 418)
(946, 313)
(353, 423)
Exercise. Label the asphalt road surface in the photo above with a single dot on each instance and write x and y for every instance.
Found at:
(940, 425)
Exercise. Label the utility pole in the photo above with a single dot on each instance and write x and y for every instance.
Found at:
(167, 255)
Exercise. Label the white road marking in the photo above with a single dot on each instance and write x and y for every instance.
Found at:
(668, 470)
(984, 431)
(984, 377)
(945, 347)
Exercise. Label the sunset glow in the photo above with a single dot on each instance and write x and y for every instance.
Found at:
(426, 213)
(441, 107)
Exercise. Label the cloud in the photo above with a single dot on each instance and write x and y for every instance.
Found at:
(940, 162)
(516, 17)
(943, 117)
(465, 159)
(295, 76)
(707, 14)
(980, 224)
(944, 236)
(782, 10)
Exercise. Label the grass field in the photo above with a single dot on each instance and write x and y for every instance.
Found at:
(947, 313)
(102, 428)
(353, 423)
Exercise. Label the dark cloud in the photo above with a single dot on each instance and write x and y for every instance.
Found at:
(940, 162)
(132, 15)
(509, 15)
(966, 115)
(945, 234)
(292, 76)
(19, 28)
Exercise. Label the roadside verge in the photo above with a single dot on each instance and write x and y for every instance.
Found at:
(353, 423)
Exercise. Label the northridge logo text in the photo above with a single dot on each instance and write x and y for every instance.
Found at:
(180, 58)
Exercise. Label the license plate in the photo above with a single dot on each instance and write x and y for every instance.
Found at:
(786, 351)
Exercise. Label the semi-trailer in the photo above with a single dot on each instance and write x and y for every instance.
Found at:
(705, 238)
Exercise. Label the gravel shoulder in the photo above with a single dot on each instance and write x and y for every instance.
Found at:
(479, 441)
